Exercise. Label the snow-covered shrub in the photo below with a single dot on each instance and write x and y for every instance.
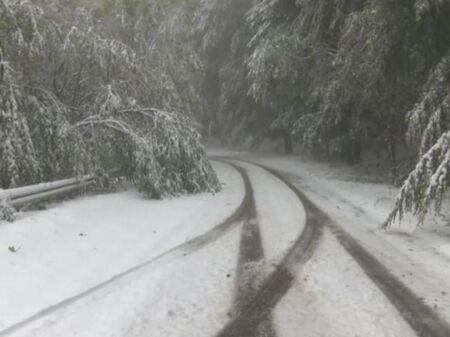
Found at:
(161, 152)
(174, 161)
(7, 212)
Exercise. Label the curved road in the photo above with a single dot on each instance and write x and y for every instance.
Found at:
(257, 293)
(421, 318)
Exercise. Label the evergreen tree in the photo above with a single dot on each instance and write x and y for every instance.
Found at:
(429, 127)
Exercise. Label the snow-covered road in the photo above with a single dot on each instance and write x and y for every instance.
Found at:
(257, 259)
(91, 266)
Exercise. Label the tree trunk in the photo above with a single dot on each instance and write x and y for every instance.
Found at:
(287, 138)
(352, 152)
(393, 154)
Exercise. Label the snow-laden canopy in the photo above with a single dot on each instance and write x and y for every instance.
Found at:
(84, 91)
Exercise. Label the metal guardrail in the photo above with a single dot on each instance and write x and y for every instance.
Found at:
(21, 196)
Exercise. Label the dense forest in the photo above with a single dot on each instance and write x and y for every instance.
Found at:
(82, 85)
(346, 79)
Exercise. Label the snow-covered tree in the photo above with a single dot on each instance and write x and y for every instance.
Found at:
(78, 87)
(294, 45)
(159, 151)
(224, 35)
(429, 127)
(18, 160)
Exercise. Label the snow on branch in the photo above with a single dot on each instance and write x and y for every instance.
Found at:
(426, 184)
(73, 87)
(429, 125)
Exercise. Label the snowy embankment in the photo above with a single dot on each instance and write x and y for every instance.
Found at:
(187, 296)
(76, 245)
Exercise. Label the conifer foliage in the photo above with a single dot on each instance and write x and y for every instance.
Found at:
(429, 129)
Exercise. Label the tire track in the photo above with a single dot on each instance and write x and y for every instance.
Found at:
(256, 310)
(249, 271)
(421, 318)
(181, 250)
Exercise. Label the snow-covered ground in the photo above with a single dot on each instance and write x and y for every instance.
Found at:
(188, 296)
(76, 245)
(419, 256)
(90, 265)
(87, 267)
(332, 296)
(280, 223)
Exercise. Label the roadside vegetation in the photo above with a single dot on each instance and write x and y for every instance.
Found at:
(85, 88)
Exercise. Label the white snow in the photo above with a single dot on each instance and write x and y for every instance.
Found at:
(184, 295)
(412, 254)
(187, 296)
(78, 244)
(281, 215)
(191, 294)
(333, 297)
